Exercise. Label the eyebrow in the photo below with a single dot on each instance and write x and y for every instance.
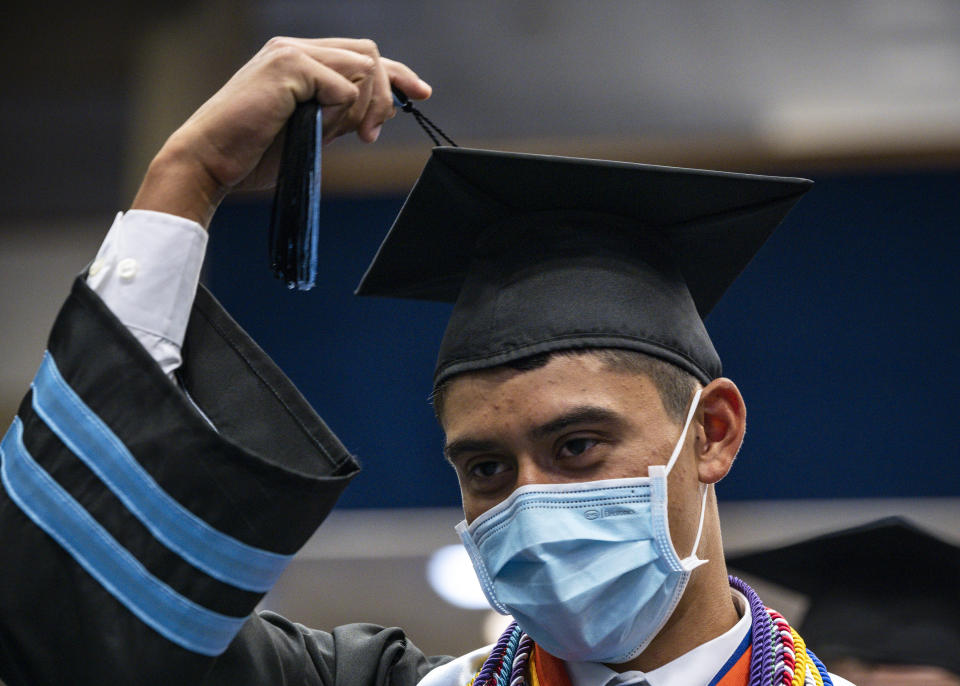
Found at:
(468, 445)
(579, 415)
(583, 414)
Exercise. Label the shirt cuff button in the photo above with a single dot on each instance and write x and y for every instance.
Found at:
(127, 269)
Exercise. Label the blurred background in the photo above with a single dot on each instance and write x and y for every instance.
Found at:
(843, 334)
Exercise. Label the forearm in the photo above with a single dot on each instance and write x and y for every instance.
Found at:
(177, 183)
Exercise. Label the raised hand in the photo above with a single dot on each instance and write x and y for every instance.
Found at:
(234, 140)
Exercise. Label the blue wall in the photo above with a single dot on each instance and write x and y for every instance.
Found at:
(843, 335)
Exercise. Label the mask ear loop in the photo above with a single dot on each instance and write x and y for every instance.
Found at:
(683, 434)
(703, 487)
(703, 511)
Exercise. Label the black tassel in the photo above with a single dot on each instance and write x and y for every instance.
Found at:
(295, 220)
(294, 224)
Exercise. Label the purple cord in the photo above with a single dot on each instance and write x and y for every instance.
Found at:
(514, 646)
(762, 627)
(493, 660)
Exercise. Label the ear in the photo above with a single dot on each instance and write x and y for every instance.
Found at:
(721, 425)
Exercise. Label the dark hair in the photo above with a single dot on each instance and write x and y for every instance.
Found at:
(674, 385)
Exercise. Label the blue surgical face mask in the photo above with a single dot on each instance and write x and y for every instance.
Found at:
(588, 570)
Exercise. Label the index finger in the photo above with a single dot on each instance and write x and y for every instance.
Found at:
(404, 78)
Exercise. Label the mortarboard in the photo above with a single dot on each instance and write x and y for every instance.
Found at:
(885, 592)
(543, 253)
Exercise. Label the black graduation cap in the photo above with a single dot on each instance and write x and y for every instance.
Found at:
(542, 253)
(885, 592)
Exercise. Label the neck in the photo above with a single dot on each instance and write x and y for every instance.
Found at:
(705, 611)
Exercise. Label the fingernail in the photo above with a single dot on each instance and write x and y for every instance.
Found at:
(375, 133)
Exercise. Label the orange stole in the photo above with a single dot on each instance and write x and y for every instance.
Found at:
(547, 670)
(739, 673)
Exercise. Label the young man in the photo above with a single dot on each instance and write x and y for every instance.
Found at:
(576, 385)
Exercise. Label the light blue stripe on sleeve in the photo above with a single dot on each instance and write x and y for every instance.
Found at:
(90, 439)
(41, 498)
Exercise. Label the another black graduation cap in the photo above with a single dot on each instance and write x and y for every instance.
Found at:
(544, 253)
(885, 592)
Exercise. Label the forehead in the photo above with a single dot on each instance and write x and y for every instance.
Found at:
(505, 396)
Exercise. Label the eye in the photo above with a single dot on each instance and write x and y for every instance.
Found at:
(486, 469)
(577, 446)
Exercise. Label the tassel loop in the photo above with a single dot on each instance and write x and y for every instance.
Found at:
(401, 101)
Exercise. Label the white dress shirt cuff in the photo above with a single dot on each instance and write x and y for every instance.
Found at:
(147, 272)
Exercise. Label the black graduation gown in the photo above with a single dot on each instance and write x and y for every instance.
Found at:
(96, 586)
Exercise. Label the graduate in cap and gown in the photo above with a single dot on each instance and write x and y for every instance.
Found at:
(884, 608)
(162, 471)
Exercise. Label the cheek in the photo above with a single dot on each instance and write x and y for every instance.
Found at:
(627, 466)
(466, 502)
(474, 505)
(683, 505)
(633, 456)
(472, 509)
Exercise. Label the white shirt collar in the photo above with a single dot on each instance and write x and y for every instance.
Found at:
(694, 668)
